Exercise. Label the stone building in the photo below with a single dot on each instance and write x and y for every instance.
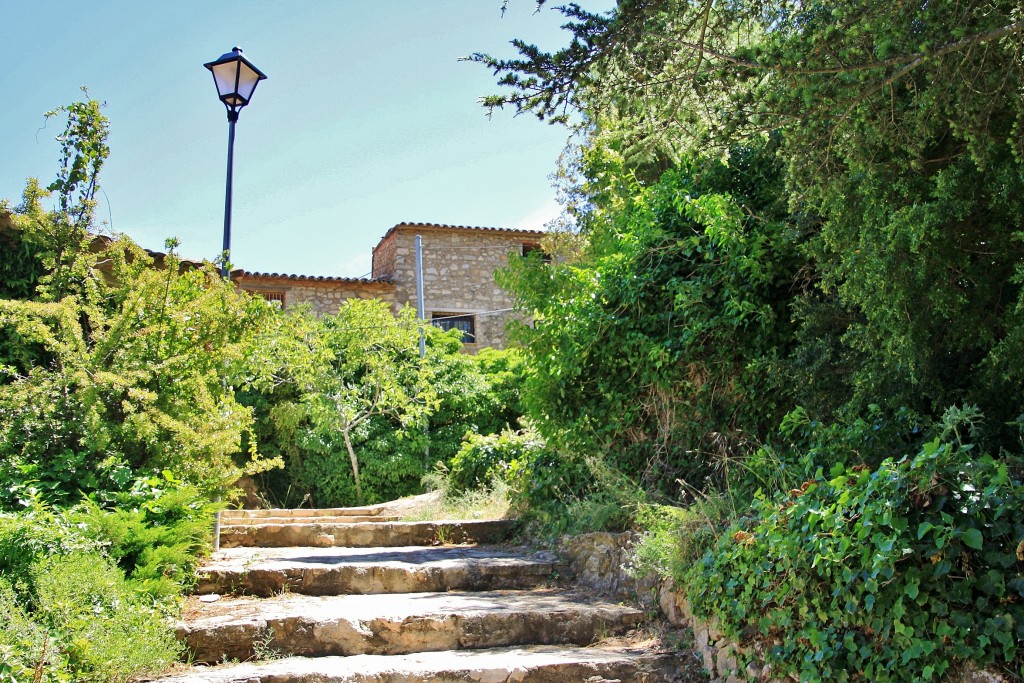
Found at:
(458, 278)
(325, 294)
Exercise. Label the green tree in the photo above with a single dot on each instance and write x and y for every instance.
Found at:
(346, 376)
(899, 130)
(374, 374)
(478, 394)
(660, 343)
(342, 394)
(114, 367)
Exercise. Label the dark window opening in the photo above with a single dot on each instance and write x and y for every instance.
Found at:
(454, 321)
(531, 247)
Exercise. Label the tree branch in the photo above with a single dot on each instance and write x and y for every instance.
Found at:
(913, 59)
(703, 33)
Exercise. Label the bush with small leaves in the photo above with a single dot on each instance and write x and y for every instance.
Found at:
(892, 573)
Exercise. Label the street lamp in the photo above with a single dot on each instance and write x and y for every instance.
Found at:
(236, 79)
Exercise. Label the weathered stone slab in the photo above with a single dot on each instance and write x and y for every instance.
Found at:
(398, 624)
(539, 664)
(232, 520)
(366, 534)
(337, 571)
(300, 513)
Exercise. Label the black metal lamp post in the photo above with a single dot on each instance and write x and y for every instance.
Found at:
(236, 79)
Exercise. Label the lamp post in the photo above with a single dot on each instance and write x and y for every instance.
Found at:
(236, 79)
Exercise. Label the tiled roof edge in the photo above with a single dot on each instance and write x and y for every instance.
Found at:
(445, 226)
(312, 278)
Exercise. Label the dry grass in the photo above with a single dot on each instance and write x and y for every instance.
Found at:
(442, 504)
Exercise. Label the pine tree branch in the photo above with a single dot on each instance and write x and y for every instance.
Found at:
(913, 60)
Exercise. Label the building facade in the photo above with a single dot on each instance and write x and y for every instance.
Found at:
(459, 289)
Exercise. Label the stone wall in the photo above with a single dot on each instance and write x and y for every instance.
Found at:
(600, 561)
(458, 273)
(384, 258)
(458, 277)
(324, 295)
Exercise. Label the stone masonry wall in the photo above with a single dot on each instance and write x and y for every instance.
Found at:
(458, 275)
(384, 258)
(325, 296)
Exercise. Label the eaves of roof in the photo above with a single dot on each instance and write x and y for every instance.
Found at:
(444, 226)
(250, 275)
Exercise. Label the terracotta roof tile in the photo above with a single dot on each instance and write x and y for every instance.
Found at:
(310, 278)
(445, 226)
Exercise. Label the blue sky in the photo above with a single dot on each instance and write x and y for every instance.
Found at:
(367, 119)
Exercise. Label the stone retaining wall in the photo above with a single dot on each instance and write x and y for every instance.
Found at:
(601, 560)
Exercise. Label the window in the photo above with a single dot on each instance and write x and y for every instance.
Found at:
(530, 247)
(455, 321)
(270, 296)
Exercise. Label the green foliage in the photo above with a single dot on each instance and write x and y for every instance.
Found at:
(564, 493)
(29, 537)
(118, 423)
(850, 78)
(107, 630)
(73, 615)
(20, 266)
(673, 538)
(653, 342)
(342, 394)
(554, 492)
(325, 387)
(894, 573)
(26, 651)
(921, 270)
(112, 365)
(507, 456)
(475, 394)
(491, 501)
(881, 285)
(156, 544)
(898, 130)
(137, 382)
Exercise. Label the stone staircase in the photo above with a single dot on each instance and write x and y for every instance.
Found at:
(352, 595)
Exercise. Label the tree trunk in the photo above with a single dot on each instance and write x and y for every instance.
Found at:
(355, 465)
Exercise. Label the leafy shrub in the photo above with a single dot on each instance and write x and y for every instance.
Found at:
(25, 646)
(802, 444)
(157, 543)
(113, 364)
(484, 458)
(475, 394)
(323, 386)
(391, 465)
(27, 538)
(69, 611)
(658, 344)
(333, 392)
(894, 573)
(553, 491)
(20, 267)
(673, 538)
(108, 631)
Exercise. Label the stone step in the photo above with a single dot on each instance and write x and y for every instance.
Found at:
(537, 664)
(231, 520)
(397, 624)
(366, 534)
(337, 571)
(298, 513)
